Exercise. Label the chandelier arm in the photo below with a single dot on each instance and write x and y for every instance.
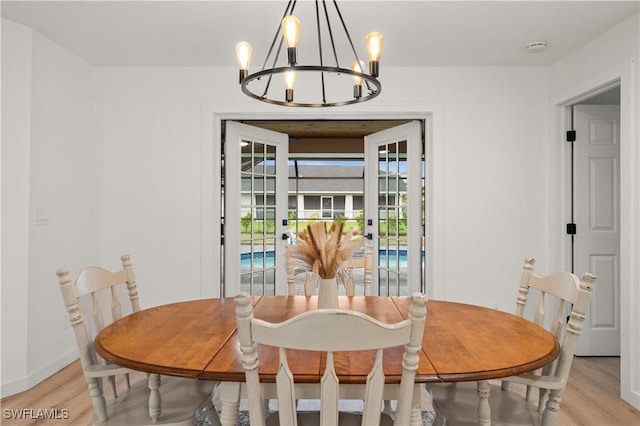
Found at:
(324, 95)
(346, 31)
(319, 34)
(333, 45)
(369, 88)
(273, 65)
(288, 10)
(265, 94)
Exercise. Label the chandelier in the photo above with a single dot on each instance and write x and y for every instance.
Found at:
(324, 83)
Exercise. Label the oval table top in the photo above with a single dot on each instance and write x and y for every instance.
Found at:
(198, 339)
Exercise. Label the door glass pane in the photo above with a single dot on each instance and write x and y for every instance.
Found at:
(257, 271)
(382, 160)
(392, 243)
(270, 160)
(258, 158)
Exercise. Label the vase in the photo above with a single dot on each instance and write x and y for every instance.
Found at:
(328, 293)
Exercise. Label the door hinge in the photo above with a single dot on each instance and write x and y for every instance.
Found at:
(571, 228)
(571, 135)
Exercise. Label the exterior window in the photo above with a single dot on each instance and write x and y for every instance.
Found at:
(358, 202)
(311, 202)
(293, 202)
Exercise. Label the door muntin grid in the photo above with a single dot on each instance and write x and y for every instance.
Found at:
(258, 218)
(392, 218)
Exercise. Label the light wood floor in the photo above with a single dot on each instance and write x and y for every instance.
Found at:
(591, 398)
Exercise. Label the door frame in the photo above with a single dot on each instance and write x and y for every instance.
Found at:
(559, 249)
(213, 115)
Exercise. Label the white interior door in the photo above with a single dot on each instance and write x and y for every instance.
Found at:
(255, 212)
(597, 218)
(393, 208)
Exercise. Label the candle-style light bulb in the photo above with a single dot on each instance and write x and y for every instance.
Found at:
(289, 83)
(291, 31)
(374, 43)
(243, 56)
(357, 80)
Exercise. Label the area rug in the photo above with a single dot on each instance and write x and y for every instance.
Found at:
(428, 412)
(427, 418)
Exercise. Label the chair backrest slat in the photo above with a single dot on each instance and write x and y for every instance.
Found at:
(317, 331)
(116, 308)
(287, 399)
(329, 393)
(98, 286)
(373, 392)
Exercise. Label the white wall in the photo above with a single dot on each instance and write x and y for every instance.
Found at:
(16, 115)
(47, 167)
(494, 118)
(150, 175)
(124, 173)
(614, 56)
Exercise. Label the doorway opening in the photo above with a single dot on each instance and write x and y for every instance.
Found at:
(325, 182)
(593, 180)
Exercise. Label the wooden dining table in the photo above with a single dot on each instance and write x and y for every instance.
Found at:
(198, 339)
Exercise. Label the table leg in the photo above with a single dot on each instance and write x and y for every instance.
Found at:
(153, 381)
(230, 398)
(484, 410)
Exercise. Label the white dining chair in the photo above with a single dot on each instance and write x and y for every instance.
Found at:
(95, 299)
(557, 294)
(316, 331)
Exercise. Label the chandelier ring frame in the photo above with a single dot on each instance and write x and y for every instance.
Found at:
(372, 93)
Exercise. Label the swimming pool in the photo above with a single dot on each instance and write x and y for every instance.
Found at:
(266, 259)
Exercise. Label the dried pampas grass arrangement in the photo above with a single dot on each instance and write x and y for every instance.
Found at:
(323, 251)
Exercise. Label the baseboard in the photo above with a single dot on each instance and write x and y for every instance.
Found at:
(632, 397)
(37, 376)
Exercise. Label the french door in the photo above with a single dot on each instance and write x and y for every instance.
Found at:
(255, 210)
(255, 219)
(394, 182)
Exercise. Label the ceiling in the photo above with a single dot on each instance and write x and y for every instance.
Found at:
(417, 33)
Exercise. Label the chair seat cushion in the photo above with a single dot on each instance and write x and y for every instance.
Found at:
(313, 419)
